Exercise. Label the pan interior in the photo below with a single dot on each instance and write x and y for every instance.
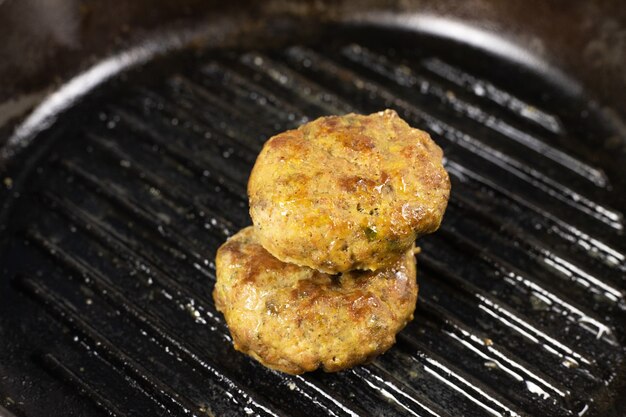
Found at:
(110, 233)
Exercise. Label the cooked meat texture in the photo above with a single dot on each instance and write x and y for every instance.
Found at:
(296, 319)
(347, 192)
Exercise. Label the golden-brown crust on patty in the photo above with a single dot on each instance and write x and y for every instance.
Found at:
(347, 192)
(296, 319)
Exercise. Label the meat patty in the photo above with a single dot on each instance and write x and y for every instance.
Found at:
(347, 192)
(296, 319)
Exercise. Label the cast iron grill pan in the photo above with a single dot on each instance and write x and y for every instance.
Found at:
(107, 264)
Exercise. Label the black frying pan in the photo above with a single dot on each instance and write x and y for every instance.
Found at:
(120, 186)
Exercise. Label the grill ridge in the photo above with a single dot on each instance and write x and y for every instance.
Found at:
(506, 268)
(100, 344)
(531, 243)
(478, 393)
(126, 248)
(483, 88)
(305, 89)
(178, 243)
(56, 366)
(483, 344)
(573, 234)
(381, 380)
(500, 311)
(161, 183)
(197, 164)
(243, 88)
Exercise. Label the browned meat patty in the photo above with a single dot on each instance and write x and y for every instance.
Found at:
(296, 319)
(347, 192)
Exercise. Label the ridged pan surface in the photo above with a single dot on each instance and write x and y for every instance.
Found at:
(109, 241)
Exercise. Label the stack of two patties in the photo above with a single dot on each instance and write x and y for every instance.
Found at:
(326, 276)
